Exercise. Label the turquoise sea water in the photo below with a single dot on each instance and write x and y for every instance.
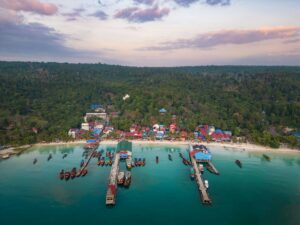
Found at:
(261, 192)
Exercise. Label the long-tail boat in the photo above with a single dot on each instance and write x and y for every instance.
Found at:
(239, 163)
(62, 174)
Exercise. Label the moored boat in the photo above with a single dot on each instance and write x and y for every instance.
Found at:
(62, 174)
(73, 173)
(67, 175)
(65, 155)
(35, 161)
(49, 157)
(127, 180)
(170, 157)
(128, 163)
(206, 184)
(267, 157)
(82, 163)
(121, 177)
(192, 173)
(239, 163)
(201, 168)
(84, 172)
(157, 159)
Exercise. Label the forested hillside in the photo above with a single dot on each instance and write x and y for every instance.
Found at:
(255, 102)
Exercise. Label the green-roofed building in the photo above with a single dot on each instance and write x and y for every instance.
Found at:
(124, 146)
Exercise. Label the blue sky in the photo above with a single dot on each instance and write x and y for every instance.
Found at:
(152, 32)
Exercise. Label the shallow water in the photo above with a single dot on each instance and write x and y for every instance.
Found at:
(261, 192)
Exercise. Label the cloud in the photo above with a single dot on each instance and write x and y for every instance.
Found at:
(35, 40)
(185, 3)
(225, 37)
(135, 14)
(34, 6)
(145, 2)
(100, 15)
(72, 16)
(218, 2)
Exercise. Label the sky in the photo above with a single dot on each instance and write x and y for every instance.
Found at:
(151, 32)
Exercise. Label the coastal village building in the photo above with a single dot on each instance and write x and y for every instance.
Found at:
(102, 116)
(85, 126)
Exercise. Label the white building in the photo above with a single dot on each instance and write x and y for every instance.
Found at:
(97, 115)
(85, 126)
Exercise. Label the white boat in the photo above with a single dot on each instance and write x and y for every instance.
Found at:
(5, 156)
(206, 184)
(129, 162)
(201, 168)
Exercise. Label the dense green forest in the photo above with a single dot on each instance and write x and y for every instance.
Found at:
(254, 102)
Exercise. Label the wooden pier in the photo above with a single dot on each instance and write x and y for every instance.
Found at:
(201, 186)
(213, 169)
(112, 182)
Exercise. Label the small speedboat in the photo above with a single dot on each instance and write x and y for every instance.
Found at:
(35, 161)
(5, 156)
(239, 163)
(201, 168)
(206, 184)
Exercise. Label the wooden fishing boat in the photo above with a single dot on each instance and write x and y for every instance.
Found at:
(35, 161)
(67, 175)
(84, 172)
(170, 157)
(239, 163)
(82, 163)
(102, 161)
(49, 157)
(180, 155)
(127, 180)
(192, 173)
(157, 159)
(62, 174)
(73, 173)
(268, 158)
(121, 177)
(184, 161)
(209, 168)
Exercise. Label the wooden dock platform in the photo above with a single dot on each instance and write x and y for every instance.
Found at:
(201, 186)
(112, 182)
(213, 169)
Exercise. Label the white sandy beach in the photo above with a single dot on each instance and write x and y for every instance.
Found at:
(238, 146)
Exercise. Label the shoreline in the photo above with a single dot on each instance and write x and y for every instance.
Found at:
(246, 146)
